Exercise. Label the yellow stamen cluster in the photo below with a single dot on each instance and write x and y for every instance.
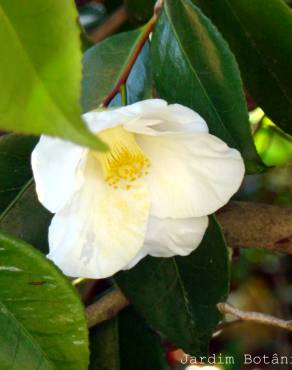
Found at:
(125, 162)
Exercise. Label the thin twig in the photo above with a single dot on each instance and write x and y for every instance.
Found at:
(257, 317)
(109, 27)
(158, 7)
(140, 44)
(224, 325)
(112, 303)
(106, 307)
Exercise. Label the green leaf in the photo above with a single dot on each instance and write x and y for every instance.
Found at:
(135, 334)
(40, 311)
(104, 346)
(178, 296)
(21, 214)
(15, 168)
(193, 65)
(27, 219)
(274, 146)
(40, 68)
(17, 350)
(139, 82)
(104, 65)
(126, 343)
(259, 33)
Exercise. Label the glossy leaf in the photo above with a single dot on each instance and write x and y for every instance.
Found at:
(139, 82)
(145, 347)
(178, 296)
(104, 346)
(18, 351)
(259, 33)
(21, 214)
(193, 65)
(15, 169)
(43, 310)
(27, 219)
(40, 68)
(104, 64)
(126, 343)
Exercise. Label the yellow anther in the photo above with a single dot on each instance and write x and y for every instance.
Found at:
(125, 161)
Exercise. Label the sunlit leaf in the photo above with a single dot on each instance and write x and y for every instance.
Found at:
(40, 70)
(274, 146)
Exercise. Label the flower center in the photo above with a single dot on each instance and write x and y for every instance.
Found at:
(125, 161)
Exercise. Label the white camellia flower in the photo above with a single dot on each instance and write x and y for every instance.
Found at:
(150, 194)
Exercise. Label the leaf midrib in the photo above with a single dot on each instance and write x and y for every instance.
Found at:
(186, 299)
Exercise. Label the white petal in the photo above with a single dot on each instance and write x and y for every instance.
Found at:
(190, 175)
(139, 256)
(146, 108)
(171, 118)
(101, 229)
(168, 237)
(55, 165)
(98, 121)
(151, 117)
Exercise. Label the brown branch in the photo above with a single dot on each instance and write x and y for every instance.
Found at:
(126, 72)
(256, 317)
(111, 25)
(256, 225)
(106, 307)
(226, 324)
(112, 303)
(158, 7)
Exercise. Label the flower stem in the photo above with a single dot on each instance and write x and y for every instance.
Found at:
(78, 281)
(123, 91)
